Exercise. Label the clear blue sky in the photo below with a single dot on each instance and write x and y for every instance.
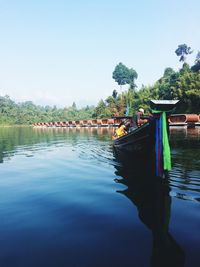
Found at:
(57, 52)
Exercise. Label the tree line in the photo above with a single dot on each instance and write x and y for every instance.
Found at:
(26, 113)
(183, 84)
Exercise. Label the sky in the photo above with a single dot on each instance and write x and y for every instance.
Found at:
(64, 51)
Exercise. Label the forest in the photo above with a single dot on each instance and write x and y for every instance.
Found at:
(183, 84)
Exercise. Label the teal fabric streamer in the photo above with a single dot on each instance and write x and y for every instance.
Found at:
(127, 110)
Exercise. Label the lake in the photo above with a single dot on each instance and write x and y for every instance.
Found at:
(64, 201)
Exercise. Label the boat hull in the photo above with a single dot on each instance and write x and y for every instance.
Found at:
(136, 149)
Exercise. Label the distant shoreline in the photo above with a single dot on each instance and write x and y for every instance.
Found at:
(14, 125)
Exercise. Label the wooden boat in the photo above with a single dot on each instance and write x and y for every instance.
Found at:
(138, 146)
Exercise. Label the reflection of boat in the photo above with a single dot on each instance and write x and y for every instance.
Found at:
(139, 144)
(151, 197)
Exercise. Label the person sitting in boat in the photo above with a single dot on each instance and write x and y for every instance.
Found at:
(137, 119)
(127, 125)
(122, 129)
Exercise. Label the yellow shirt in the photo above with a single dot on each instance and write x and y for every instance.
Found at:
(120, 131)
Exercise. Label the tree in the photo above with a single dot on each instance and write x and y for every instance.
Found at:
(100, 109)
(132, 76)
(196, 66)
(182, 51)
(123, 75)
(114, 94)
(197, 60)
(74, 105)
(168, 72)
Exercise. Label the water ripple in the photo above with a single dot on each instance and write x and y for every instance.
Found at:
(185, 183)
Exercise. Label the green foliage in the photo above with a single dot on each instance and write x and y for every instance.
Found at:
(123, 75)
(196, 66)
(27, 113)
(197, 60)
(132, 76)
(183, 85)
(182, 51)
(114, 94)
(103, 110)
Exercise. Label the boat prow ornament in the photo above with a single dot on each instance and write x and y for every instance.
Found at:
(148, 146)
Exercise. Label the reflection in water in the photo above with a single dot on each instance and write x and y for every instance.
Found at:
(63, 201)
(184, 133)
(151, 197)
(184, 178)
(182, 141)
(16, 140)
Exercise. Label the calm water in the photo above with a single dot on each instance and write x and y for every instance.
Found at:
(65, 202)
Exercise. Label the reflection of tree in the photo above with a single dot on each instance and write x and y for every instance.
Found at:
(11, 138)
(186, 157)
(151, 197)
